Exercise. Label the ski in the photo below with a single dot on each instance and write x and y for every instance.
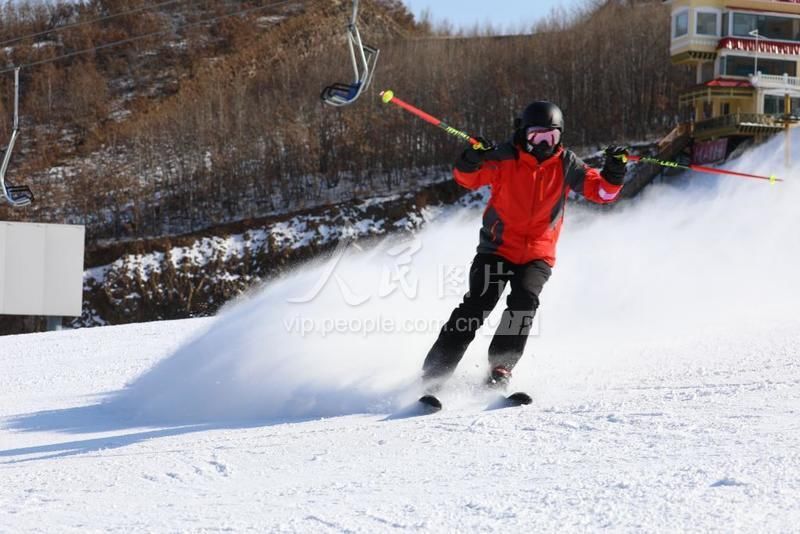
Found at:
(430, 403)
(510, 401)
(519, 398)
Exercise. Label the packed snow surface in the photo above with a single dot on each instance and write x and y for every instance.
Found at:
(665, 374)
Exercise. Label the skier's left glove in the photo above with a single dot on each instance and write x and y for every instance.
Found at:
(615, 165)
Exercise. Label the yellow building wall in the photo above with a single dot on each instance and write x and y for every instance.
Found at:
(762, 5)
(757, 5)
(738, 105)
(675, 4)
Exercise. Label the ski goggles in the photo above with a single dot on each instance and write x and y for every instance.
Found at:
(537, 135)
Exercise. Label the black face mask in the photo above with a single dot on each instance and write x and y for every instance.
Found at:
(541, 152)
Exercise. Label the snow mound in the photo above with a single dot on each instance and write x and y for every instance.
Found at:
(707, 259)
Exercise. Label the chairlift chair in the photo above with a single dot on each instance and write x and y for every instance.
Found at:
(364, 58)
(16, 195)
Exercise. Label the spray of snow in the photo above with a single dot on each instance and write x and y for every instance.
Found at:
(709, 258)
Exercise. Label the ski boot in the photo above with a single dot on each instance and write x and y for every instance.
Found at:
(499, 378)
(430, 400)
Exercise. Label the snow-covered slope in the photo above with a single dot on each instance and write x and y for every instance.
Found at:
(666, 381)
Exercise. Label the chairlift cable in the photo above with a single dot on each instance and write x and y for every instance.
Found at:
(146, 36)
(87, 22)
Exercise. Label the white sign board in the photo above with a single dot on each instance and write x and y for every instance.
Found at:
(41, 269)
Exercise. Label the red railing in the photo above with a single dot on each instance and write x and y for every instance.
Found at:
(762, 46)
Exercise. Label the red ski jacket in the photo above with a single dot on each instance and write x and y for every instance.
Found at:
(523, 219)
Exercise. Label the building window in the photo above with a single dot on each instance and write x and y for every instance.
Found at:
(726, 20)
(775, 105)
(746, 65)
(681, 24)
(706, 72)
(706, 23)
(769, 27)
(743, 24)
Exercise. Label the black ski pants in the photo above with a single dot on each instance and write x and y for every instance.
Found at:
(488, 277)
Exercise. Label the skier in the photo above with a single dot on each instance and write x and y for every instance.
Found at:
(530, 178)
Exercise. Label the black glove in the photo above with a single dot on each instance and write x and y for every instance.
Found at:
(615, 165)
(473, 156)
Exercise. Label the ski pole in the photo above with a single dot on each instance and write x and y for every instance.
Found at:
(699, 168)
(389, 98)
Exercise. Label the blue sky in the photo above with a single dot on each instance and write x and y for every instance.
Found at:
(503, 13)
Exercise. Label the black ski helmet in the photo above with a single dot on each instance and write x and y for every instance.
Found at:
(541, 113)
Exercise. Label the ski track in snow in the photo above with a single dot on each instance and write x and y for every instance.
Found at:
(666, 384)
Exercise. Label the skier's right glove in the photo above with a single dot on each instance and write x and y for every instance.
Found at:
(615, 167)
(473, 157)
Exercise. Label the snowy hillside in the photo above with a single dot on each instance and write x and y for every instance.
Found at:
(666, 381)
